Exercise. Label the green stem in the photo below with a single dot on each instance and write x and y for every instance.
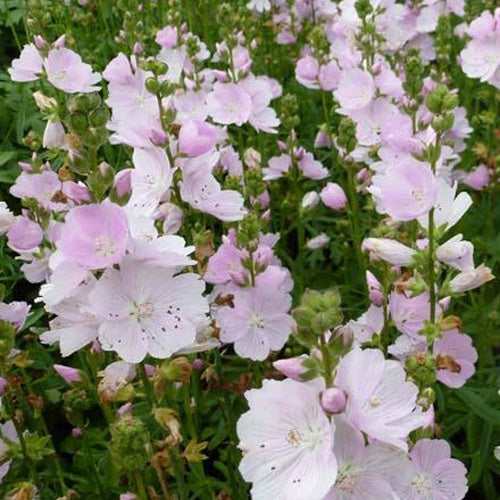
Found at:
(327, 362)
(354, 215)
(148, 388)
(139, 482)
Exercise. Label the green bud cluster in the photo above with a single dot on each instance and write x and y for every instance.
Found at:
(363, 8)
(441, 102)
(129, 443)
(421, 368)
(248, 231)
(346, 138)
(289, 112)
(317, 313)
(414, 71)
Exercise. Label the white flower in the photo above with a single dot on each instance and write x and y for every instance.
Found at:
(287, 442)
(473, 278)
(147, 310)
(457, 253)
(389, 250)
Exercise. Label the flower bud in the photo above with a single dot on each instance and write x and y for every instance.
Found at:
(69, 374)
(291, 367)
(310, 200)
(333, 196)
(333, 400)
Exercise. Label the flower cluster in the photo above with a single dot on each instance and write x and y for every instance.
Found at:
(180, 212)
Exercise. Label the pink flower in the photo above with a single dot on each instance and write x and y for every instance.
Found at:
(201, 190)
(311, 168)
(28, 67)
(147, 310)
(69, 374)
(24, 234)
(333, 196)
(278, 166)
(380, 402)
(470, 279)
(405, 191)
(307, 71)
(42, 186)
(225, 265)
(457, 253)
(150, 180)
(370, 323)
(329, 76)
(287, 442)
(374, 289)
(197, 138)
(74, 326)
(365, 472)
(355, 90)
(67, 72)
(478, 179)
(455, 358)
(410, 313)
(259, 321)
(435, 473)
(6, 218)
(167, 37)
(94, 236)
(228, 103)
(15, 313)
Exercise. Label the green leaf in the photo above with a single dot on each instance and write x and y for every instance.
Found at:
(6, 156)
(478, 406)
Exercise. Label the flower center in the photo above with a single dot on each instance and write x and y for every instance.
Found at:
(294, 437)
(375, 401)
(421, 484)
(418, 195)
(347, 478)
(104, 247)
(60, 75)
(256, 321)
(143, 311)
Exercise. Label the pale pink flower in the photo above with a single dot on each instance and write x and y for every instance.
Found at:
(329, 76)
(287, 442)
(28, 67)
(380, 402)
(228, 103)
(203, 192)
(24, 234)
(278, 166)
(367, 325)
(470, 279)
(307, 72)
(448, 208)
(435, 473)
(94, 236)
(167, 37)
(478, 179)
(259, 321)
(455, 358)
(365, 472)
(389, 250)
(374, 289)
(356, 89)
(67, 72)
(74, 326)
(6, 218)
(456, 253)
(197, 138)
(333, 400)
(405, 191)
(42, 186)
(410, 313)
(150, 179)
(15, 313)
(311, 168)
(147, 310)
